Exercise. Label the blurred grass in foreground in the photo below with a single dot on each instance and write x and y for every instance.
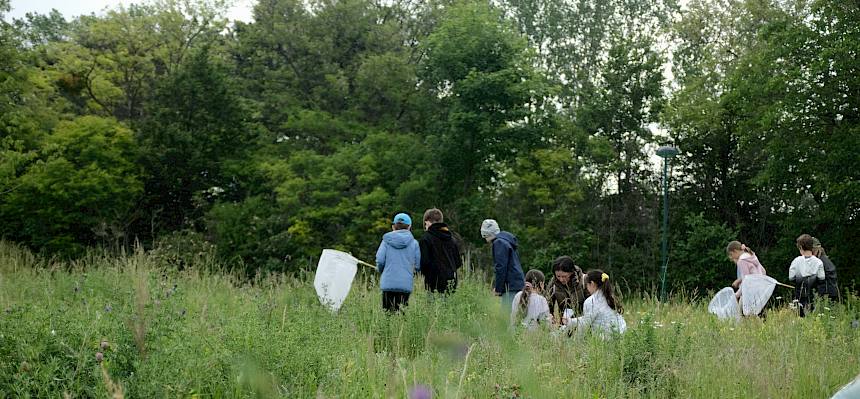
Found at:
(195, 333)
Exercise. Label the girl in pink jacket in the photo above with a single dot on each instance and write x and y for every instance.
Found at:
(746, 261)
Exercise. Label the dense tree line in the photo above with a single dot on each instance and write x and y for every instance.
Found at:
(308, 127)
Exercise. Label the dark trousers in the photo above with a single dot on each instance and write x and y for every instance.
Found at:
(803, 293)
(392, 301)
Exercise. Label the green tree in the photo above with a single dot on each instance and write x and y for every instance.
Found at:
(802, 121)
(111, 64)
(573, 38)
(544, 192)
(346, 199)
(619, 115)
(479, 68)
(82, 190)
(193, 140)
(316, 55)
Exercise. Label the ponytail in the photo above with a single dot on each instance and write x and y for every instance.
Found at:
(524, 297)
(737, 246)
(605, 285)
(534, 280)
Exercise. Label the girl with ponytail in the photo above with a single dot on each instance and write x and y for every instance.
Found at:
(530, 307)
(601, 312)
(746, 262)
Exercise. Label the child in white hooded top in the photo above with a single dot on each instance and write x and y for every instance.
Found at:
(601, 312)
(530, 307)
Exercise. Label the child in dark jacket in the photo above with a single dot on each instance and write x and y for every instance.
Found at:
(440, 254)
(509, 277)
(397, 258)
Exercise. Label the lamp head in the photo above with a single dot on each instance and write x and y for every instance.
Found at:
(667, 151)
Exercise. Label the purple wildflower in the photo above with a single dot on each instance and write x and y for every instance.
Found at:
(420, 391)
(99, 357)
(108, 308)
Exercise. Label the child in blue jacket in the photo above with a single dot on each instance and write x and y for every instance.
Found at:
(509, 277)
(397, 258)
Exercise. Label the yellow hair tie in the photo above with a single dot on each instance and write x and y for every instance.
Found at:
(604, 277)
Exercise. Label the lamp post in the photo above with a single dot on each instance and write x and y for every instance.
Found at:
(666, 152)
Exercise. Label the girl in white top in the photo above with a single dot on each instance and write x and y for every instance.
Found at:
(602, 310)
(530, 307)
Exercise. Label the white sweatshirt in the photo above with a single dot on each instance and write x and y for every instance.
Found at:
(598, 316)
(805, 266)
(537, 310)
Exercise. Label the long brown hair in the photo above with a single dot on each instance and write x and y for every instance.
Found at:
(566, 264)
(534, 282)
(604, 284)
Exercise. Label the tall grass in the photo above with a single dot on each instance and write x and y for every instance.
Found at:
(194, 333)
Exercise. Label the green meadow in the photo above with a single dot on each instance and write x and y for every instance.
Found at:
(201, 333)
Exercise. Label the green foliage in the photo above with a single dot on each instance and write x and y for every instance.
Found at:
(766, 119)
(252, 233)
(196, 126)
(545, 190)
(114, 63)
(86, 165)
(479, 68)
(346, 199)
(183, 249)
(698, 258)
(310, 125)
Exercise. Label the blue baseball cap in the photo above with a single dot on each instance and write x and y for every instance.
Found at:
(402, 218)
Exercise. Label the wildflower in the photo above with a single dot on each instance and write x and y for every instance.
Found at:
(420, 392)
(53, 332)
(855, 324)
(103, 345)
(108, 308)
(99, 357)
(826, 308)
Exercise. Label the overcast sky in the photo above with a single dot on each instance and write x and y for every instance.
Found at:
(241, 9)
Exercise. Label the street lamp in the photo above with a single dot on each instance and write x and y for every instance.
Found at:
(666, 152)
